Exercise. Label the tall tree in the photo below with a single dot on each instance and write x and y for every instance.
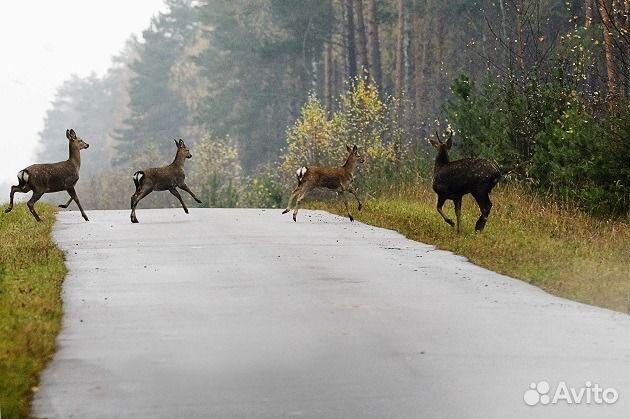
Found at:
(158, 110)
(588, 13)
(350, 38)
(329, 71)
(606, 13)
(420, 50)
(399, 79)
(361, 36)
(374, 47)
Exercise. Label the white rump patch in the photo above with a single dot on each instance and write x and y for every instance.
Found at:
(23, 176)
(300, 172)
(138, 176)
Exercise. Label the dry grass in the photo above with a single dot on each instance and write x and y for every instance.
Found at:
(562, 250)
(31, 274)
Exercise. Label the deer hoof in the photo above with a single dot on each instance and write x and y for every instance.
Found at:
(186, 210)
(295, 218)
(450, 222)
(134, 220)
(8, 210)
(198, 201)
(285, 211)
(360, 206)
(351, 219)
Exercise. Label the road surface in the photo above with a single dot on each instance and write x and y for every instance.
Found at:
(246, 314)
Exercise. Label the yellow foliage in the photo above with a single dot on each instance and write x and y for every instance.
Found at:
(319, 139)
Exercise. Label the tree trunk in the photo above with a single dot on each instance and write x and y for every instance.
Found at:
(350, 41)
(588, 13)
(399, 79)
(374, 48)
(626, 48)
(605, 9)
(328, 77)
(420, 51)
(520, 51)
(361, 38)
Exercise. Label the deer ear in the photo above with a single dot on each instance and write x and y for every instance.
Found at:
(68, 134)
(73, 134)
(176, 143)
(355, 148)
(181, 142)
(348, 148)
(449, 142)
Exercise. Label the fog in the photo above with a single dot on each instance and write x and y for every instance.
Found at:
(43, 43)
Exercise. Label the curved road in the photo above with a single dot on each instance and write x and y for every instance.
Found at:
(245, 314)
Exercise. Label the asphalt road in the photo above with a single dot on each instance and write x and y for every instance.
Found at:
(245, 314)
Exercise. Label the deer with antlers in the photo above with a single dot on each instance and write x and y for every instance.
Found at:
(454, 179)
(52, 177)
(167, 178)
(338, 179)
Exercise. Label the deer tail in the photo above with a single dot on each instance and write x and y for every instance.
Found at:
(23, 177)
(300, 173)
(137, 177)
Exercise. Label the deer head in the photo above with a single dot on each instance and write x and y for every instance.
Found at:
(355, 153)
(77, 141)
(441, 146)
(181, 148)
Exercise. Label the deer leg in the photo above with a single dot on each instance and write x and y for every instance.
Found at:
(178, 196)
(354, 192)
(185, 187)
(485, 205)
(31, 204)
(14, 189)
(291, 198)
(66, 204)
(440, 204)
(135, 198)
(457, 202)
(73, 196)
(343, 198)
(299, 198)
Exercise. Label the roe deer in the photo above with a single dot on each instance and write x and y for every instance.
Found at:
(454, 179)
(338, 179)
(166, 178)
(52, 177)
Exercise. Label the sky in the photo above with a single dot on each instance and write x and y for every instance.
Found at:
(42, 43)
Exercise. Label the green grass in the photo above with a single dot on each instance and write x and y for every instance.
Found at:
(31, 274)
(558, 248)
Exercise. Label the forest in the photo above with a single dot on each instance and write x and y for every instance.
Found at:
(258, 88)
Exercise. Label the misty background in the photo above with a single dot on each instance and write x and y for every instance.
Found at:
(258, 87)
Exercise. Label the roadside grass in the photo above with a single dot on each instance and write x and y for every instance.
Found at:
(555, 247)
(31, 274)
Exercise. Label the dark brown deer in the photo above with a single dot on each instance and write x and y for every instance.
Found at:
(52, 177)
(167, 178)
(454, 179)
(338, 179)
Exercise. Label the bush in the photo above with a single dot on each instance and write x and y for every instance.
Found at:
(543, 131)
(264, 190)
(319, 137)
(216, 172)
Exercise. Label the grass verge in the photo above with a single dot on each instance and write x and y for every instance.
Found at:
(31, 274)
(560, 249)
